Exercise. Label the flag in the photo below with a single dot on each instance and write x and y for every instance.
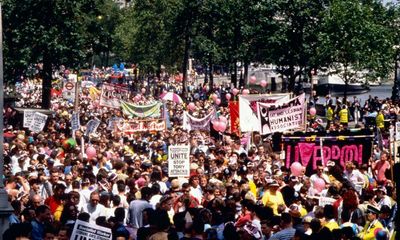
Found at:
(150, 110)
(234, 113)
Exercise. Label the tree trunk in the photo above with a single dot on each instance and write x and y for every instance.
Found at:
(185, 64)
(234, 75)
(246, 73)
(46, 80)
(211, 71)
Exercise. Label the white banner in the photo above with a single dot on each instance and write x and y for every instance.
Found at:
(75, 123)
(28, 118)
(178, 161)
(325, 201)
(38, 122)
(192, 123)
(85, 230)
(248, 117)
(281, 117)
(112, 94)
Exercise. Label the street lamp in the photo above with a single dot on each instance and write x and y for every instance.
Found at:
(5, 208)
(396, 84)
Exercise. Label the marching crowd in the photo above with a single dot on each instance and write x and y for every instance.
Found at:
(237, 189)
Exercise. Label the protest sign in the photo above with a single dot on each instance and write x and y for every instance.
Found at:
(288, 115)
(28, 118)
(234, 117)
(92, 126)
(84, 230)
(112, 94)
(112, 123)
(248, 109)
(143, 111)
(75, 123)
(129, 128)
(178, 161)
(397, 131)
(306, 149)
(326, 201)
(192, 123)
(38, 122)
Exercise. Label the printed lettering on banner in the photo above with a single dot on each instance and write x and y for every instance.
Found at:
(75, 123)
(38, 122)
(28, 118)
(192, 123)
(248, 117)
(178, 161)
(87, 231)
(130, 128)
(112, 95)
(288, 115)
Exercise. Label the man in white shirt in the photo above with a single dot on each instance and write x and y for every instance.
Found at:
(94, 208)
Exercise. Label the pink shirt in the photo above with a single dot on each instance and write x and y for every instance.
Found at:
(381, 167)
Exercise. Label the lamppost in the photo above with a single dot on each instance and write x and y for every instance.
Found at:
(396, 84)
(5, 207)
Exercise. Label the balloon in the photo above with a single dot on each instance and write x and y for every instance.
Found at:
(296, 168)
(222, 126)
(216, 125)
(72, 142)
(223, 119)
(313, 111)
(245, 91)
(191, 106)
(143, 90)
(263, 83)
(90, 152)
(235, 91)
(228, 96)
(218, 101)
(214, 97)
(253, 79)
(319, 184)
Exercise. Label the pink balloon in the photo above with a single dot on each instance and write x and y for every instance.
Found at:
(90, 152)
(191, 106)
(218, 101)
(235, 91)
(253, 79)
(222, 126)
(313, 111)
(216, 125)
(296, 168)
(263, 83)
(214, 97)
(245, 92)
(319, 184)
(228, 96)
(223, 119)
(143, 90)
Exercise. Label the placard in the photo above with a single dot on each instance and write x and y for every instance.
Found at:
(38, 122)
(132, 127)
(75, 123)
(112, 94)
(69, 86)
(85, 230)
(178, 161)
(92, 126)
(397, 131)
(28, 118)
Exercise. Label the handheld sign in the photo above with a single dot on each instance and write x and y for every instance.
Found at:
(84, 230)
(178, 161)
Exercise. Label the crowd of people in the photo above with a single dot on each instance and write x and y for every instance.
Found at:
(236, 189)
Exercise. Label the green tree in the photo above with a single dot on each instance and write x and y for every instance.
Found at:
(357, 36)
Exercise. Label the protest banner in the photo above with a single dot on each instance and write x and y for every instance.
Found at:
(129, 128)
(112, 94)
(75, 123)
(234, 117)
(28, 118)
(112, 123)
(178, 161)
(288, 115)
(38, 122)
(325, 201)
(86, 231)
(248, 109)
(92, 126)
(143, 111)
(192, 123)
(306, 149)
